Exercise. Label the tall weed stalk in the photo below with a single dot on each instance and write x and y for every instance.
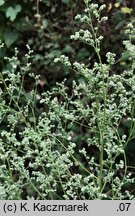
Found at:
(73, 149)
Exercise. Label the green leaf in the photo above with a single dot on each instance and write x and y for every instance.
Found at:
(10, 37)
(65, 1)
(68, 49)
(11, 12)
(45, 23)
(2, 2)
(125, 56)
(126, 10)
(120, 25)
(117, 4)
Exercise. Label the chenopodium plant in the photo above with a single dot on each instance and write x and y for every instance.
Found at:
(16, 115)
(42, 157)
(102, 100)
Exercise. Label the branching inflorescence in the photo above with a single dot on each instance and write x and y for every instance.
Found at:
(45, 157)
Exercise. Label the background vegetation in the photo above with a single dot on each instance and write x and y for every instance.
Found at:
(46, 27)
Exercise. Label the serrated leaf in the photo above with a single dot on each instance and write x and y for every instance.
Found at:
(11, 12)
(10, 37)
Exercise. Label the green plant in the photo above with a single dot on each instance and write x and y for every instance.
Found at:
(43, 156)
(107, 99)
(42, 25)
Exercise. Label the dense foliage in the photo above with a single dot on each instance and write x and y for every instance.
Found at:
(67, 130)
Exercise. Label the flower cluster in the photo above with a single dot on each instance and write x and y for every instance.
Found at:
(73, 149)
